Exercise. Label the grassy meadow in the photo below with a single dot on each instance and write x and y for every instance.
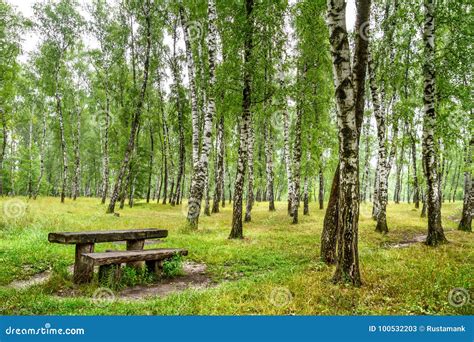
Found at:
(275, 270)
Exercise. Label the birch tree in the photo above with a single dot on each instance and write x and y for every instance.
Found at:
(350, 104)
(468, 202)
(251, 179)
(201, 162)
(219, 167)
(380, 199)
(245, 122)
(268, 136)
(430, 160)
(338, 232)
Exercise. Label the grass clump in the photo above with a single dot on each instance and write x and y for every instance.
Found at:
(117, 278)
(173, 267)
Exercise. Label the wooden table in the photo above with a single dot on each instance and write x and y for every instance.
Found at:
(86, 240)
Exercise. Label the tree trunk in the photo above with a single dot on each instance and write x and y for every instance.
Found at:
(297, 163)
(105, 156)
(200, 162)
(365, 176)
(131, 194)
(183, 182)
(435, 229)
(223, 181)
(382, 161)
(423, 204)
(229, 185)
(416, 188)
(456, 183)
(30, 159)
(468, 203)
(182, 149)
(286, 152)
(408, 182)
(338, 35)
(305, 196)
(260, 196)
(59, 112)
(150, 163)
(136, 116)
(124, 190)
(350, 105)
(207, 199)
(4, 147)
(237, 231)
(192, 86)
(441, 173)
(172, 188)
(219, 170)
(306, 184)
(250, 194)
(321, 188)
(445, 182)
(268, 137)
(398, 173)
(375, 197)
(77, 157)
(166, 147)
(12, 169)
(41, 175)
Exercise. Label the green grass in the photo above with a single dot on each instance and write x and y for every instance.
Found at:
(275, 257)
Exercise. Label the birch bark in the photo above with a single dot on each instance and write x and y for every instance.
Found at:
(435, 229)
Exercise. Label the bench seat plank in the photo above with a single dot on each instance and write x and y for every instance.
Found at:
(118, 257)
(106, 235)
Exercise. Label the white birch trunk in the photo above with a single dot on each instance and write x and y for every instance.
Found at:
(435, 229)
(347, 269)
(250, 194)
(201, 164)
(269, 166)
(42, 147)
(287, 153)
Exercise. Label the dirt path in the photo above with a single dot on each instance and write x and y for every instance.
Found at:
(195, 276)
(39, 278)
(409, 242)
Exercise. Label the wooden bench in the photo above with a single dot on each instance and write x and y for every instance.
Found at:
(86, 259)
(109, 262)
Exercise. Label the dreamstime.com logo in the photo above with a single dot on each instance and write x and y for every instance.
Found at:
(14, 208)
(195, 31)
(281, 297)
(46, 330)
(459, 297)
(103, 297)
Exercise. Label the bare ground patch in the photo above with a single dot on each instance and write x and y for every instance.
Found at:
(194, 276)
(39, 278)
(408, 242)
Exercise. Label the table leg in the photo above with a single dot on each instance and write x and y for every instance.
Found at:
(135, 245)
(83, 270)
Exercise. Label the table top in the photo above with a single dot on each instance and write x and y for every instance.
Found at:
(106, 235)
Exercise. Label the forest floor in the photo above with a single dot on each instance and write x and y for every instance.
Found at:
(275, 270)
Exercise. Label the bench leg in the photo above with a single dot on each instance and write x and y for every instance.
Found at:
(135, 245)
(154, 267)
(83, 270)
(110, 272)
